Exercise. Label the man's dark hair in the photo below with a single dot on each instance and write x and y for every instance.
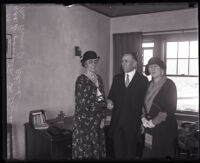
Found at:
(133, 54)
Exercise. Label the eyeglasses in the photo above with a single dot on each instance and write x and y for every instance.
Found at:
(95, 61)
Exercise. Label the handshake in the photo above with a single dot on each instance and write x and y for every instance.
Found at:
(152, 123)
(110, 104)
(107, 120)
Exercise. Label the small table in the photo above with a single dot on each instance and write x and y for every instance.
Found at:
(44, 145)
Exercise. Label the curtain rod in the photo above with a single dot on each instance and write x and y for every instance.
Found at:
(170, 32)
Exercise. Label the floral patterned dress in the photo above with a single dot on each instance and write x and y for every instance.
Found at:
(88, 140)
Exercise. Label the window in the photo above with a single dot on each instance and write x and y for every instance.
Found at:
(147, 49)
(179, 54)
(187, 92)
(179, 50)
(182, 68)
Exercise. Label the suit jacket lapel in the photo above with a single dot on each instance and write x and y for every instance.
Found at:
(133, 80)
(122, 79)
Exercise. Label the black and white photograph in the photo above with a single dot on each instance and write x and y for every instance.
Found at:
(100, 81)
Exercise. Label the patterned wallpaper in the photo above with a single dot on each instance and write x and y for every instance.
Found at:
(14, 27)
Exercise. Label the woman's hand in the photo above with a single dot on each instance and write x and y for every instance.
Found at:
(146, 123)
(110, 104)
(105, 121)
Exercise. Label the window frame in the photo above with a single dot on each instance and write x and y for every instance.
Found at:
(165, 59)
(147, 48)
(178, 39)
(160, 51)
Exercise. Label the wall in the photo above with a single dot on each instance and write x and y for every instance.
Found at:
(160, 21)
(43, 70)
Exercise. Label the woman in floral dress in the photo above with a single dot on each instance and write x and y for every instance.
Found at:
(88, 140)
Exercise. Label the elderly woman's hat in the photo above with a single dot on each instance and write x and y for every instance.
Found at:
(89, 55)
(157, 61)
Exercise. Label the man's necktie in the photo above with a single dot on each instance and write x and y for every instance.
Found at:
(127, 80)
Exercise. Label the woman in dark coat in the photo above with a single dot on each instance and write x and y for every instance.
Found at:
(88, 141)
(158, 116)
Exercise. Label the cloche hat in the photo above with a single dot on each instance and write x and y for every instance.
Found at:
(89, 55)
(154, 60)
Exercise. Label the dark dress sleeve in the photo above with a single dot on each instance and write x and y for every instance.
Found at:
(170, 98)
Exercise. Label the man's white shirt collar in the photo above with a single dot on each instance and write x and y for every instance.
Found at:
(130, 74)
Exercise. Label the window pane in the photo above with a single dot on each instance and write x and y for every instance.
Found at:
(183, 67)
(193, 67)
(148, 45)
(147, 55)
(183, 49)
(171, 49)
(193, 49)
(148, 76)
(143, 68)
(187, 93)
(171, 66)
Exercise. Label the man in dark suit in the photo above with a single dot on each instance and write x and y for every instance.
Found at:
(126, 98)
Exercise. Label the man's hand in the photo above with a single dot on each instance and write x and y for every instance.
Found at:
(110, 104)
(107, 120)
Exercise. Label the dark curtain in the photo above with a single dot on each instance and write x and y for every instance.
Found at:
(123, 43)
